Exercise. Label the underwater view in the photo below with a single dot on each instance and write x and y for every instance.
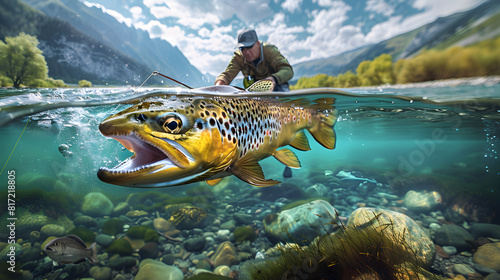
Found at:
(143, 183)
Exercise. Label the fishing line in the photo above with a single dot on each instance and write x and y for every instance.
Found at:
(146, 80)
(15, 145)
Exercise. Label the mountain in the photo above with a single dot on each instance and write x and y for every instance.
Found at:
(75, 50)
(70, 54)
(155, 54)
(465, 28)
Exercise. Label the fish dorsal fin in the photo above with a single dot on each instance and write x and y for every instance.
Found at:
(300, 141)
(287, 157)
(249, 170)
(261, 86)
(214, 182)
(77, 239)
(323, 132)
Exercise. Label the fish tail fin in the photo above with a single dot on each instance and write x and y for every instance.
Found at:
(93, 258)
(323, 131)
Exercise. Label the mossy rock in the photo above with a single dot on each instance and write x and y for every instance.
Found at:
(85, 234)
(113, 226)
(242, 234)
(362, 252)
(143, 232)
(120, 246)
(188, 217)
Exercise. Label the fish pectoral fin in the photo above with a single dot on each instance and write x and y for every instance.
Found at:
(300, 141)
(213, 182)
(287, 157)
(249, 170)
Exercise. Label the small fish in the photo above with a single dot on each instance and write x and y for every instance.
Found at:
(181, 140)
(70, 249)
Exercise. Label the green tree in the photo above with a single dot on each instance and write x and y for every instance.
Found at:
(21, 60)
(84, 83)
(376, 72)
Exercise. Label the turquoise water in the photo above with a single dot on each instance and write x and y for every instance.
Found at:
(400, 138)
(375, 130)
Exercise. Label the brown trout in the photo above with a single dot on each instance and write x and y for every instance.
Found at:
(177, 141)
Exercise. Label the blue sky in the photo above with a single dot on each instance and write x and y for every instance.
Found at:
(205, 30)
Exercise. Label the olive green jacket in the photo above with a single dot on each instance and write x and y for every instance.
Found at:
(272, 63)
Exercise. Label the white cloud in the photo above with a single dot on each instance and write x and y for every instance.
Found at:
(278, 33)
(195, 13)
(396, 25)
(327, 3)
(119, 17)
(291, 5)
(136, 12)
(379, 7)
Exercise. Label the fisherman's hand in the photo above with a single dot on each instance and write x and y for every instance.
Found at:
(271, 78)
(220, 83)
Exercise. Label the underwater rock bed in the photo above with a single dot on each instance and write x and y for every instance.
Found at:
(225, 233)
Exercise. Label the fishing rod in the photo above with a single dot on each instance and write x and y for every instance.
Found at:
(172, 79)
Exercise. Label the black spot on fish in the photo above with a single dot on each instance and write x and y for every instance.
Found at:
(199, 125)
(212, 122)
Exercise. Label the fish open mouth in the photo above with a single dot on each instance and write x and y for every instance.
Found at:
(146, 155)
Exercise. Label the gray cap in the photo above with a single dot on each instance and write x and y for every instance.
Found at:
(247, 38)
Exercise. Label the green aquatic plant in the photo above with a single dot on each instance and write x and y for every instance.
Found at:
(85, 234)
(360, 252)
(120, 246)
(143, 232)
(113, 226)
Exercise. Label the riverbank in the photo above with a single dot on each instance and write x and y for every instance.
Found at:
(473, 81)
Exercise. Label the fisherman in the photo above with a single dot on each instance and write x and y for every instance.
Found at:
(257, 61)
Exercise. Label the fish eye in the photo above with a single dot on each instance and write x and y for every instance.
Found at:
(171, 123)
(142, 117)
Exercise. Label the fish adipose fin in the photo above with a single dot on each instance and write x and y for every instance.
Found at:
(300, 141)
(249, 170)
(323, 131)
(287, 157)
